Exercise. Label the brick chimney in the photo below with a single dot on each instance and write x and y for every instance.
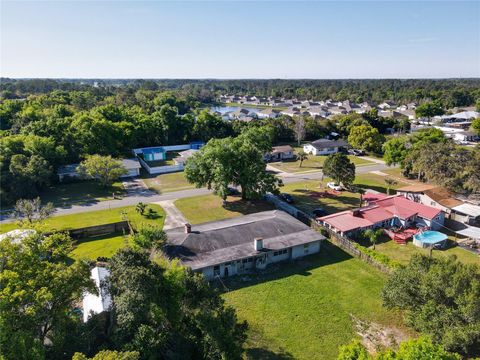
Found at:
(188, 228)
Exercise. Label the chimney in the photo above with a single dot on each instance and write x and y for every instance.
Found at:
(188, 228)
(258, 243)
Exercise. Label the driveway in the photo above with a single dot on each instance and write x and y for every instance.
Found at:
(174, 218)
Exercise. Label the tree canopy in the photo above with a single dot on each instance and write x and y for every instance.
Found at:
(366, 137)
(339, 167)
(164, 310)
(441, 298)
(103, 168)
(234, 161)
(37, 292)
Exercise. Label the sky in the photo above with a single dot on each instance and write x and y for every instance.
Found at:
(249, 39)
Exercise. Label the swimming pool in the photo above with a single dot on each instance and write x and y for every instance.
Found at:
(428, 238)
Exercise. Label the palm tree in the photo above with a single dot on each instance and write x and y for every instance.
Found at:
(140, 208)
(302, 156)
(373, 235)
(361, 192)
(390, 182)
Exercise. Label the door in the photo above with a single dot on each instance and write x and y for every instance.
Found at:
(225, 271)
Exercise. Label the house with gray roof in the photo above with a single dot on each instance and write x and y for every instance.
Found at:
(324, 146)
(241, 244)
(70, 171)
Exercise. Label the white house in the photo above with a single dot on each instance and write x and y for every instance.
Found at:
(96, 304)
(241, 244)
(279, 153)
(268, 113)
(324, 146)
(70, 171)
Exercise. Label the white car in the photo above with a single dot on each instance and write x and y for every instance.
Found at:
(334, 186)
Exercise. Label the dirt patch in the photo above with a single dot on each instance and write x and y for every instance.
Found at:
(376, 337)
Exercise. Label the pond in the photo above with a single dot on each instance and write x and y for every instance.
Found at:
(225, 109)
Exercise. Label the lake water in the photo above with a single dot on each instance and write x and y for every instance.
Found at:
(225, 109)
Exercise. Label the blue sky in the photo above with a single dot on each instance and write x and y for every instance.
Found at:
(287, 39)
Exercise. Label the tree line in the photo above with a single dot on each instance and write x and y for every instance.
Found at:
(451, 92)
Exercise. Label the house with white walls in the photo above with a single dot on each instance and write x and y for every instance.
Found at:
(242, 244)
(325, 146)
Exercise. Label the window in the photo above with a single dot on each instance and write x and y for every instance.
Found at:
(244, 261)
(216, 270)
(228, 263)
(305, 246)
(275, 253)
(250, 259)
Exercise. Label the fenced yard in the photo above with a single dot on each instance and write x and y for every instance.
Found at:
(302, 310)
(312, 163)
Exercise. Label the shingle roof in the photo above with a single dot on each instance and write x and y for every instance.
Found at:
(232, 239)
(326, 143)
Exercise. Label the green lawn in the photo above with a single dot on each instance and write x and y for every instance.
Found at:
(303, 310)
(313, 163)
(168, 182)
(376, 182)
(403, 253)
(200, 209)
(80, 193)
(94, 247)
(91, 218)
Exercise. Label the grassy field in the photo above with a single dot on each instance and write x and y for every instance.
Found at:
(92, 248)
(403, 253)
(168, 182)
(303, 310)
(313, 163)
(91, 218)
(82, 192)
(199, 209)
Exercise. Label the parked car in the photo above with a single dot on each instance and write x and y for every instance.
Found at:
(334, 186)
(232, 191)
(287, 198)
(356, 152)
(319, 212)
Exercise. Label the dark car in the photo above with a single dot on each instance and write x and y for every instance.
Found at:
(232, 191)
(356, 152)
(287, 198)
(319, 212)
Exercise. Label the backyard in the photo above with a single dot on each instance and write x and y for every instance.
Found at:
(82, 192)
(303, 310)
(403, 253)
(168, 182)
(199, 209)
(313, 163)
(94, 247)
(91, 218)
(170, 155)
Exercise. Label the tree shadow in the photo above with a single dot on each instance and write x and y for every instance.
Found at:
(245, 207)
(329, 254)
(265, 354)
(381, 189)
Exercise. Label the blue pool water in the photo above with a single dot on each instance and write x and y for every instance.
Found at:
(430, 237)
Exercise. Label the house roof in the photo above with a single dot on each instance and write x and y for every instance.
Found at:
(379, 210)
(326, 143)
(417, 188)
(101, 302)
(468, 209)
(269, 111)
(443, 197)
(131, 164)
(217, 242)
(281, 149)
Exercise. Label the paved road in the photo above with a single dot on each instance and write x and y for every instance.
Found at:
(143, 195)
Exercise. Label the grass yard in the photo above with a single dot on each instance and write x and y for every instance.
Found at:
(167, 162)
(168, 182)
(376, 182)
(303, 310)
(403, 253)
(313, 163)
(104, 246)
(91, 218)
(82, 192)
(200, 209)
